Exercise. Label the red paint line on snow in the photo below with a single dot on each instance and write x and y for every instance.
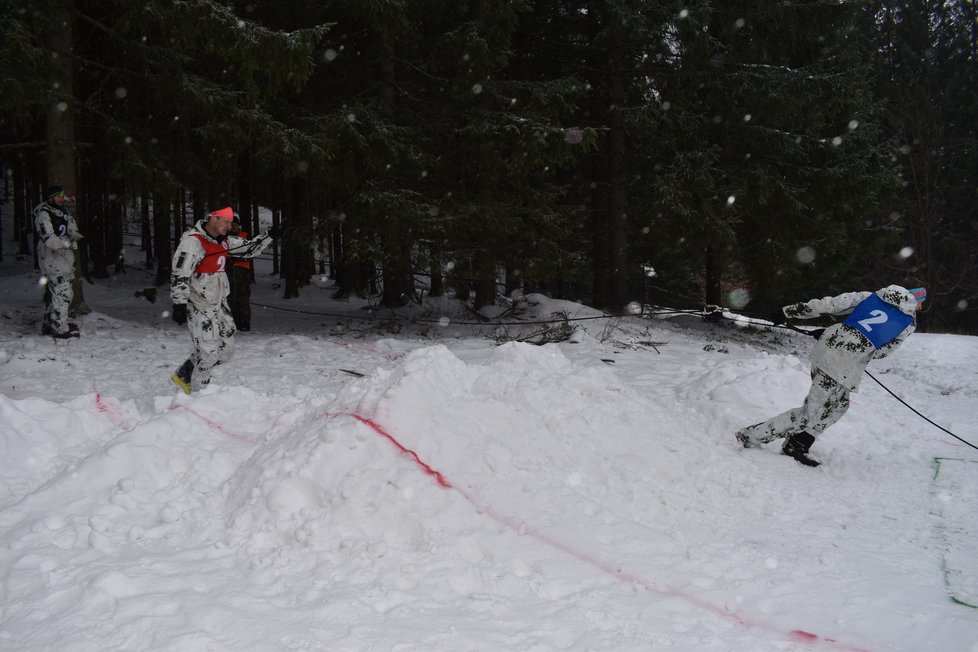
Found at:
(610, 569)
(112, 413)
(439, 478)
(615, 571)
(217, 426)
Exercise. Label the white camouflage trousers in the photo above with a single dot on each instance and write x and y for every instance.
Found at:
(59, 269)
(212, 332)
(825, 404)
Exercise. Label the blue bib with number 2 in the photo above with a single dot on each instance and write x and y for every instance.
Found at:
(878, 320)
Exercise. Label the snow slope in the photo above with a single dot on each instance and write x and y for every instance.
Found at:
(465, 496)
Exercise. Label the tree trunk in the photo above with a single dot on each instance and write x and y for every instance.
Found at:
(485, 278)
(398, 277)
(96, 209)
(295, 252)
(514, 278)
(115, 225)
(352, 274)
(62, 151)
(276, 245)
(437, 280)
(714, 276)
(22, 221)
(600, 263)
(147, 232)
(617, 186)
(245, 195)
(161, 230)
(398, 239)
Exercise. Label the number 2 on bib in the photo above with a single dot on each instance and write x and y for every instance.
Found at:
(875, 317)
(878, 320)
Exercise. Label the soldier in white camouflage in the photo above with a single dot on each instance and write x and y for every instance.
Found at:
(199, 291)
(876, 324)
(58, 240)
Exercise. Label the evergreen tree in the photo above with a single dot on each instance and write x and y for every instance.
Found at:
(772, 159)
(546, 145)
(172, 94)
(927, 53)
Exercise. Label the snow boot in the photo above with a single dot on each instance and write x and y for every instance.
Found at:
(182, 378)
(48, 329)
(796, 446)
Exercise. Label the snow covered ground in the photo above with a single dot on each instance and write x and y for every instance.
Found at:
(463, 495)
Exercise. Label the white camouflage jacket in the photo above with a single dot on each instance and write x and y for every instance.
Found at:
(843, 351)
(206, 291)
(56, 228)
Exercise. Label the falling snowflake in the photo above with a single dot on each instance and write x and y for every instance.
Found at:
(738, 298)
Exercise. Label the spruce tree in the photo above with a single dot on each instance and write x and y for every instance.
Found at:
(772, 158)
(927, 55)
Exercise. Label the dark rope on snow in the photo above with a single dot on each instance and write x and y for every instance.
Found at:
(911, 408)
(425, 320)
(707, 312)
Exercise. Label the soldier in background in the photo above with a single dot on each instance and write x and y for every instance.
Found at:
(239, 274)
(58, 242)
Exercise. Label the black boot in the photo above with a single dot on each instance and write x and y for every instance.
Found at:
(183, 376)
(797, 445)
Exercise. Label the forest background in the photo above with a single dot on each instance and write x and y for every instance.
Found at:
(745, 154)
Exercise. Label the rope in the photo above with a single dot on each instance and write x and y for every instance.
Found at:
(422, 320)
(918, 413)
(715, 310)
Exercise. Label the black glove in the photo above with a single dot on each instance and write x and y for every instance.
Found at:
(277, 231)
(777, 317)
(179, 313)
(83, 242)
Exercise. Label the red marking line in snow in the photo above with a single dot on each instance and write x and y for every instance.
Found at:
(217, 426)
(439, 478)
(111, 412)
(615, 571)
